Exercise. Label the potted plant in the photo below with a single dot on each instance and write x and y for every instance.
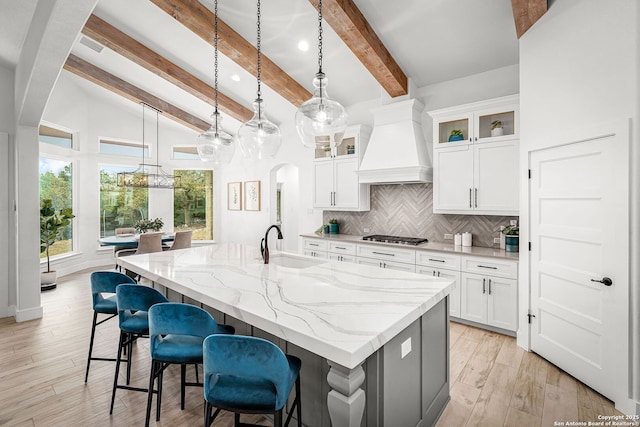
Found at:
(496, 128)
(145, 225)
(51, 226)
(351, 149)
(327, 150)
(333, 226)
(511, 238)
(456, 135)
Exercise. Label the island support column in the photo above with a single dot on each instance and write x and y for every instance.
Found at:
(346, 399)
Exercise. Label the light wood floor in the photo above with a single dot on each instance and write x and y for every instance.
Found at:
(42, 362)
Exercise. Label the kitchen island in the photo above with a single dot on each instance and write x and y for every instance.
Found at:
(379, 337)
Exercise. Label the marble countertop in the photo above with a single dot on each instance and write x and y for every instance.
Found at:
(429, 246)
(343, 312)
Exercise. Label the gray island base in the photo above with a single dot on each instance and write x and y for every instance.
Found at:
(374, 343)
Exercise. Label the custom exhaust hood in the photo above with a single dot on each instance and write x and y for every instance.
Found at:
(397, 150)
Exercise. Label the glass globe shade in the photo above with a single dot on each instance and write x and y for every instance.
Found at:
(321, 121)
(259, 138)
(215, 145)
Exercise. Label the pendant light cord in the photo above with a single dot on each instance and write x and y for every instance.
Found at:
(259, 93)
(320, 36)
(143, 131)
(215, 56)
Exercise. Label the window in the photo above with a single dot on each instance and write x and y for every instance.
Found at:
(185, 153)
(57, 137)
(119, 206)
(124, 148)
(56, 183)
(193, 203)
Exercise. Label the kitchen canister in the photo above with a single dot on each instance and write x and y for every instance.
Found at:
(457, 239)
(466, 239)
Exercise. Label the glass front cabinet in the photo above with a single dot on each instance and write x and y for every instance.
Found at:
(476, 158)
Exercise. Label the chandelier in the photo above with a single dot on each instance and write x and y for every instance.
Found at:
(149, 175)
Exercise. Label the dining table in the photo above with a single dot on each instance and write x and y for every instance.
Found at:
(130, 240)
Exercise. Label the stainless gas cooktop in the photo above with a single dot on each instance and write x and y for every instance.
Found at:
(395, 239)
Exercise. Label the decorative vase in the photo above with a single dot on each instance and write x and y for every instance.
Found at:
(325, 230)
(333, 228)
(511, 243)
(351, 150)
(455, 138)
(497, 132)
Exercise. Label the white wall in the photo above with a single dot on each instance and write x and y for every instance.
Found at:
(6, 128)
(579, 67)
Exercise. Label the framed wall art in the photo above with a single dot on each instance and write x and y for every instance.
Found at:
(252, 195)
(234, 196)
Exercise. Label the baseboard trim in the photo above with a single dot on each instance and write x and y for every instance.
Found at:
(29, 314)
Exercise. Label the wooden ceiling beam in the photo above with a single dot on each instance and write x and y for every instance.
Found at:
(526, 13)
(197, 18)
(353, 28)
(115, 84)
(121, 43)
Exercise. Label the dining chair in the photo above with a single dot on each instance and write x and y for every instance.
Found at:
(147, 243)
(134, 302)
(182, 240)
(120, 251)
(176, 333)
(103, 299)
(245, 374)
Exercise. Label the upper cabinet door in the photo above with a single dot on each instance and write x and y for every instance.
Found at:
(347, 186)
(496, 185)
(453, 179)
(323, 177)
(496, 124)
(453, 129)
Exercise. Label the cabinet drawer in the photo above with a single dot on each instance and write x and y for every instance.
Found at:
(315, 254)
(342, 248)
(315, 244)
(387, 254)
(438, 260)
(391, 265)
(490, 267)
(342, 258)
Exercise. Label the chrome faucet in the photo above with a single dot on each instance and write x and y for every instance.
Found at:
(264, 249)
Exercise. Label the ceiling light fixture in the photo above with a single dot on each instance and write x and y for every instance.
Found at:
(259, 138)
(215, 145)
(142, 177)
(303, 45)
(321, 121)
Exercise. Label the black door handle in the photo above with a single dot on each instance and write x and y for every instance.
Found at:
(605, 281)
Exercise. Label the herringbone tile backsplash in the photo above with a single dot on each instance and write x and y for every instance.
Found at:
(407, 210)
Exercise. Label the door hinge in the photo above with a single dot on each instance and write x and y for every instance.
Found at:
(529, 246)
(529, 315)
(529, 173)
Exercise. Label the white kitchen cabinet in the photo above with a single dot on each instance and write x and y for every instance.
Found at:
(479, 174)
(387, 257)
(479, 179)
(336, 183)
(489, 292)
(392, 265)
(315, 254)
(444, 265)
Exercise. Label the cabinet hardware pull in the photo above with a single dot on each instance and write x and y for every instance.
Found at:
(313, 244)
(437, 260)
(470, 139)
(483, 285)
(434, 273)
(476, 197)
(383, 253)
(470, 199)
(438, 274)
(340, 247)
(487, 266)
(489, 286)
(476, 138)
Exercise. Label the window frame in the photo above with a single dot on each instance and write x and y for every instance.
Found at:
(214, 213)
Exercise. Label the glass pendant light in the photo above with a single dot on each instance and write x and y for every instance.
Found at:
(215, 145)
(259, 138)
(321, 121)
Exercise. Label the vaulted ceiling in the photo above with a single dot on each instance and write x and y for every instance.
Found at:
(161, 50)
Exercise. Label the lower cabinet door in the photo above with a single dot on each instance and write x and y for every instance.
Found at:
(315, 254)
(473, 295)
(341, 258)
(503, 303)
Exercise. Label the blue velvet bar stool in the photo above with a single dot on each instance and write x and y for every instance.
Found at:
(176, 333)
(103, 282)
(249, 375)
(134, 302)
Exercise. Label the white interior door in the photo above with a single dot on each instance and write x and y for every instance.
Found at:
(580, 234)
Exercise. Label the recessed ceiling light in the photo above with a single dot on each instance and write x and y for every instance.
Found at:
(303, 45)
(235, 78)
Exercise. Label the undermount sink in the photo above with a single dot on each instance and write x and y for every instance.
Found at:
(291, 261)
